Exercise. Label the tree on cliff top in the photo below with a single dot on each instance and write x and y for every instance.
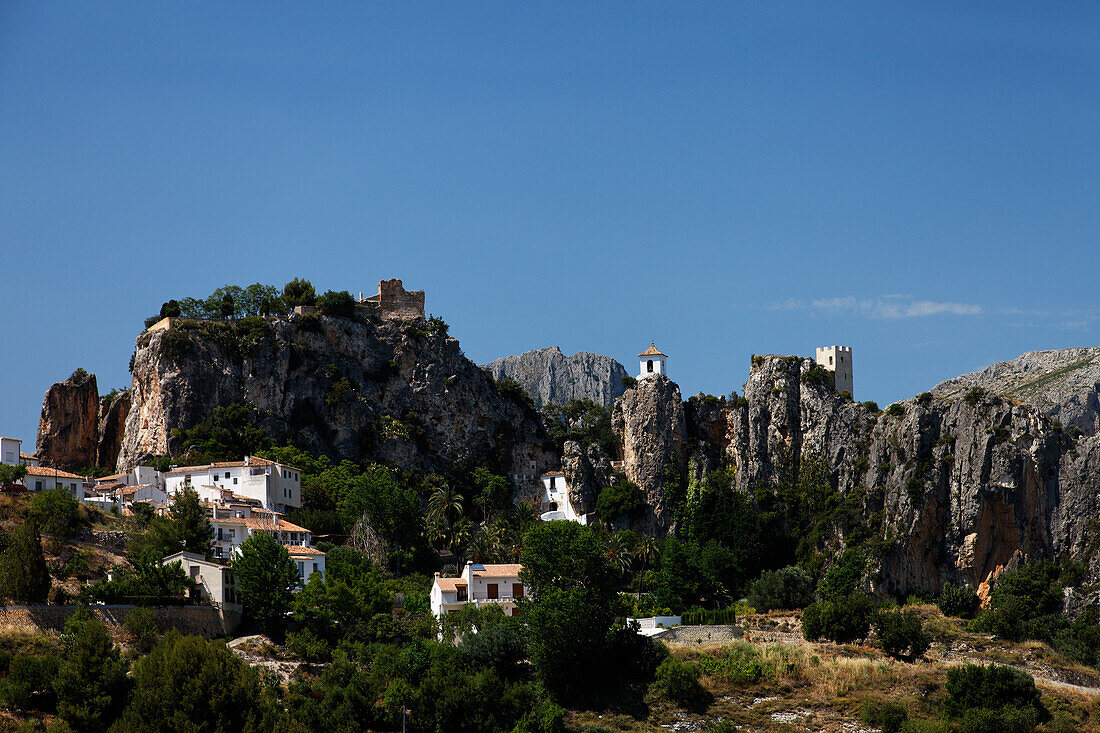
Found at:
(299, 292)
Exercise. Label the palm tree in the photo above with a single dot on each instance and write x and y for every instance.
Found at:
(443, 502)
(646, 550)
(618, 551)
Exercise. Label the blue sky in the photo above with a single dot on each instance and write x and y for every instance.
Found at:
(918, 181)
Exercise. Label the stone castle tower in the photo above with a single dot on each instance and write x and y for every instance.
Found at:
(838, 360)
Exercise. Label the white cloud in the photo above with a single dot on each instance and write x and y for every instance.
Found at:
(886, 306)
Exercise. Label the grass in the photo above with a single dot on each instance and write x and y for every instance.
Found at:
(803, 686)
(1050, 376)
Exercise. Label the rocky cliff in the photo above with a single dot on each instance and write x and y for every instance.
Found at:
(113, 411)
(68, 428)
(1063, 383)
(399, 391)
(649, 421)
(550, 377)
(950, 488)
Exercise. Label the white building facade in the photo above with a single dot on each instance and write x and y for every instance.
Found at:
(480, 585)
(838, 360)
(652, 363)
(277, 486)
(41, 478)
(555, 503)
(10, 451)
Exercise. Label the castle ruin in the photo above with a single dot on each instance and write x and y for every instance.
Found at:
(392, 301)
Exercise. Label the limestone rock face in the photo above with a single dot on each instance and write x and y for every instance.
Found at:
(649, 422)
(397, 390)
(550, 377)
(586, 473)
(68, 428)
(1062, 383)
(953, 488)
(112, 426)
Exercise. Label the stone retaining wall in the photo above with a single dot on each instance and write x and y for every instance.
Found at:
(700, 634)
(205, 621)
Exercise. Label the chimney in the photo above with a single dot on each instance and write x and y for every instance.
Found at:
(246, 460)
(437, 574)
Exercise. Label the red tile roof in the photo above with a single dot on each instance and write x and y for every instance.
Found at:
(501, 570)
(46, 471)
(300, 550)
(450, 584)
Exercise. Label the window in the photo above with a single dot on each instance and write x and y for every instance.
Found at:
(232, 533)
(37, 485)
(227, 474)
(234, 480)
(491, 591)
(461, 593)
(517, 590)
(552, 483)
(315, 567)
(195, 569)
(830, 361)
(649, 365)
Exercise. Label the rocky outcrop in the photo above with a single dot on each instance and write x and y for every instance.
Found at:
(586, 473)
(1063, 383)
(113, 410)
(951, 489)
(68, 428)
(395, 390)
(649, 422)
(550, 377)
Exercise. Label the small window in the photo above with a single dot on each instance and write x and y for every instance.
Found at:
(37, 485)
(649, 365)
(234, 480)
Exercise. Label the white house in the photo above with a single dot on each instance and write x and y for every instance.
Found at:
(216, 583)
(136, 476)
(10, 452)
(480, 585)
(40, 478)
(652, 362)
(274, 484)
(555, 500)
(233, 524)
(118, 496)
(29, 459)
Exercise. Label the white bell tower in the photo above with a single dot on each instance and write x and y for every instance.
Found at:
(652, 362)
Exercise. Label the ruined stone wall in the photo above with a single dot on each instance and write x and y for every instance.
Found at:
(205, 621)
(393, 301)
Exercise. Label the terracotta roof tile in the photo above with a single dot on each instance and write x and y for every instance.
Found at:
(46, 471)
(652, 351)
(500, 570)
(450, 584)
(300, 550)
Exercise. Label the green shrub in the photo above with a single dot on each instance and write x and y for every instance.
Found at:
(57, 511)
(739, 663)
(993, 687)
(901, 635)
(924, 399)
(974, 395)
(871, 405)
(719, 617)
(338, 304)
(818, 376)
(957, 601)
(628, 382)
(886, 716)
(843, 620)
(787, 588)
(679, 682)
(141, 625)
(896, 410)
(308, 647)
(622, 498)
(29, 683)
